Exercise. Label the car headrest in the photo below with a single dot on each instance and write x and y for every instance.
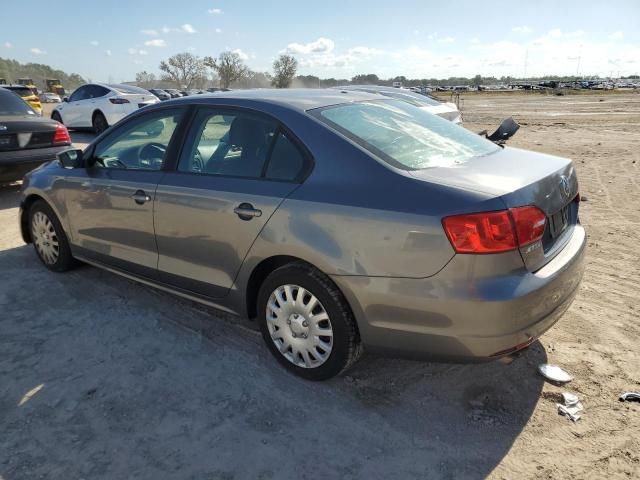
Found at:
(247, 132)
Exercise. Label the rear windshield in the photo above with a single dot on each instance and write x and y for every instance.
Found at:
(403, 135)
(22, 91)
(12, 104)
(129, 89)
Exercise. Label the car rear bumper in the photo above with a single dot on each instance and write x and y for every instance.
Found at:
(459, 315)
(14, 164)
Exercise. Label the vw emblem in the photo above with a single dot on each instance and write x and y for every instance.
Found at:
(564, 186)
(3, 127)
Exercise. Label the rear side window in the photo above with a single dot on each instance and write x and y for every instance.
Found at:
(227, 144)
(96, 91)
(286, 161)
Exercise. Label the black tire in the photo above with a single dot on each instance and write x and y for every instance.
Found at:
(346, 340)
(56, 116)
(99, 123)
(64, 260)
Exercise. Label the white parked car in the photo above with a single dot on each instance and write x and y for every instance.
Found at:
(98, 105)
(49, 97)
(448, 111)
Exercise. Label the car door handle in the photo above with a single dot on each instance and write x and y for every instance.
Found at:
(140, 197)
(246, 211)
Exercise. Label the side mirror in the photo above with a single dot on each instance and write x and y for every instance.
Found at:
(65, 99)
(506, 130)
(71, 158)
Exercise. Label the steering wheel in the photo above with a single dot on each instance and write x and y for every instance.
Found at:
(151, 153)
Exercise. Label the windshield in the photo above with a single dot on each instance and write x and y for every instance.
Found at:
(11, 104)
(405, 136)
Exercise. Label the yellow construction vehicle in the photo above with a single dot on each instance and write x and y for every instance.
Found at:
(54, 86)
(28, 82)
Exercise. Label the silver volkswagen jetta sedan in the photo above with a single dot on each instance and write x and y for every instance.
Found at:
(340, 220)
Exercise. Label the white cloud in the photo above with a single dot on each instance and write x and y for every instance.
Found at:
(475, 41)
(135, 51)
(214, 11)
(446, 40)
(364, 51)
(188, 28)
(156, 42)
(321, 45)
(522, 29)
(8, 45)
(152, 32)
(616, 36)
(166, 29)
(243, 56)
(218, 30)
(95, 43)
(108, 53)
(37, 51)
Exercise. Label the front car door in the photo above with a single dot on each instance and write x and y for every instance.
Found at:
(70, 110)
(229, 180)
(110, 203)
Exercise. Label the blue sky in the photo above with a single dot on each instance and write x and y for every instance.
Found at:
(112, 40)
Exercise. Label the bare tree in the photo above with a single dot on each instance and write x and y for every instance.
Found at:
(145, 79)
(183, 69)
(229, 67)
(284, 69)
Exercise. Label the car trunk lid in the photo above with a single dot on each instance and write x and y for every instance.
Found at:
(520, 178)
(25, 132)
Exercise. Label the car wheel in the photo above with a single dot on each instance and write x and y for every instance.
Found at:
(306, 322)
(56, 116)
(99, 122)
(49, 239)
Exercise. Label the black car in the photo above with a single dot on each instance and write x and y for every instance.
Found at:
(173, 92)
(26, 139)
(161, 94)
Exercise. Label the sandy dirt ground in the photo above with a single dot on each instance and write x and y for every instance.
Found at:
(102, 378)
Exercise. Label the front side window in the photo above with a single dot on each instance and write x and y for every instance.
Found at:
(78, 94)
(140, 144)
(405, 136)
(229, 144)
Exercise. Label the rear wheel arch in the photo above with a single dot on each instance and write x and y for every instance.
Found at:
(260, 273)
(55, 115)
(96, 114)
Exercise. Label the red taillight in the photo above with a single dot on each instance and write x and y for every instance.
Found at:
(530, 222)
(61, 135)
(494, 232)
(118, 101)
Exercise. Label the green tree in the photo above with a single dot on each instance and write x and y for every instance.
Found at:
(229, 67)
(284, 69)
(183, 69)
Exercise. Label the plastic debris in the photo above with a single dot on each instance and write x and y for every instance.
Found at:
(630, 397)
(572, 408)
(554, 373)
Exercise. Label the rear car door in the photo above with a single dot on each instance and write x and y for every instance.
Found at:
(110, 203)
(235, 169)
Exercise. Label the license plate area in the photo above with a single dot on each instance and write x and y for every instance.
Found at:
(558, 222)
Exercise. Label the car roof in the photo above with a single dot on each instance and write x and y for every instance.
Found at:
(302, 99)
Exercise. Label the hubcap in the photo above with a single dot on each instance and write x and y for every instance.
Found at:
(299, 326)
(45, 238)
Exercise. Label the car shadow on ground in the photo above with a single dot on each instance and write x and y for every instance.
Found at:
(101, 377)
(10, 195)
